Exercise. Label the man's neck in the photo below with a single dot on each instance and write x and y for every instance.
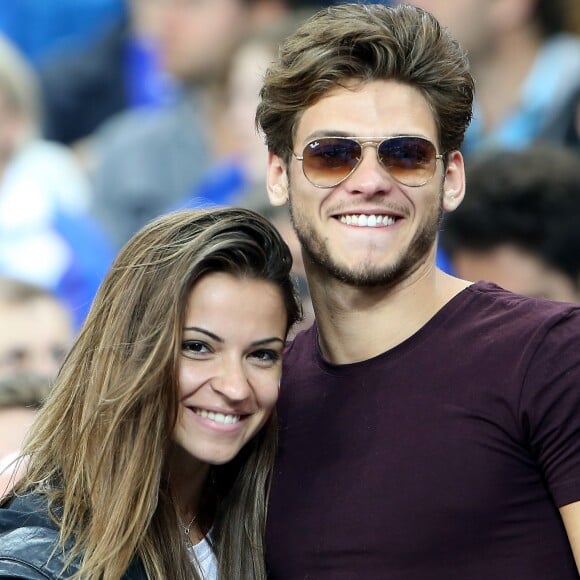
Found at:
(356, 324)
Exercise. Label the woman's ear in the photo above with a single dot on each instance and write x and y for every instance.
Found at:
(277, 180)
(454, 182)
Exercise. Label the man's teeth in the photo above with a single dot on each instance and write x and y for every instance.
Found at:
(367, 221)
(217, 417)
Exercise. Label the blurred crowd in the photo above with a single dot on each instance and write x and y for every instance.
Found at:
(113, 112)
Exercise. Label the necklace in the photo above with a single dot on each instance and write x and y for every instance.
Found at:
(187, 528)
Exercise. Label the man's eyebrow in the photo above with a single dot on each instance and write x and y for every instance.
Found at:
(326, 133)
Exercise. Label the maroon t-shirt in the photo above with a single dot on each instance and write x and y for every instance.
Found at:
(445, 458)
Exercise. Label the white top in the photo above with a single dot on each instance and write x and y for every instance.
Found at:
(204, 558)
(41, 180)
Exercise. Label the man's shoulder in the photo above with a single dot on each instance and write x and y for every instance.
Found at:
(303, 341)
(501, 321)
(487, 299)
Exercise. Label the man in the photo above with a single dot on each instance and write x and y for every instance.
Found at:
(430, 427)
(519, 225)
(21, 395)
(36, 333)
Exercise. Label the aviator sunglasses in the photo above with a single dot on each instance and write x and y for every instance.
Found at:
(328, 161)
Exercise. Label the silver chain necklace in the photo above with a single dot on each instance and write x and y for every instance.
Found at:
(187, 528)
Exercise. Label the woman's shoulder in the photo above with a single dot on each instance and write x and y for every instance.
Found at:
(25, 552)
(28, 539)
(29, 543)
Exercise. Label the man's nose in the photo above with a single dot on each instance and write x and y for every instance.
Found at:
(370, 176)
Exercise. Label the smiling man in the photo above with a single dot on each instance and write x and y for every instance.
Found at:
(430, 427)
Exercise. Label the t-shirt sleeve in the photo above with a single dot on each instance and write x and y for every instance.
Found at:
(550, 407)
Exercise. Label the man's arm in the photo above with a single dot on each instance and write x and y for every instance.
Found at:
(571, 516)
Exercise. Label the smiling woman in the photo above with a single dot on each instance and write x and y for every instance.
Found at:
(153, 454)
(229, 373)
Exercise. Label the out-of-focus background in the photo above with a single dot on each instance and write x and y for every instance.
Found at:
(519, 225)
(115, 111)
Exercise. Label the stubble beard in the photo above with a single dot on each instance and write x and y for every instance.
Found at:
(316, 249)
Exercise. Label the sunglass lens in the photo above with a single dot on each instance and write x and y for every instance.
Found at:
(328, 161)
(410, 160)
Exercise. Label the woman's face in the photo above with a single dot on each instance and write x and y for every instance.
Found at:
(230, 365)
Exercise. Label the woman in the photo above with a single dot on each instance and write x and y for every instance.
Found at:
(155, 447)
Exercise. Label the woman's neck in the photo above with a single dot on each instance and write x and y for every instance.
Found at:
(187, 479)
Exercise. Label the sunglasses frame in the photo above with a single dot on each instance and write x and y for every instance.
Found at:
(363, 142)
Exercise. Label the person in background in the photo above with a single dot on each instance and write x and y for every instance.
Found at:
(144, 161)
(525, 58)
(21, 395)
(37, 330)
(87, 83)
(278, 216)
(48, 235)
(38, 28)
(519, 225)
(237, 175)
(429, 426)
(151, 457)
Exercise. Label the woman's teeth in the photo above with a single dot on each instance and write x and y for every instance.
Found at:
(217, 417)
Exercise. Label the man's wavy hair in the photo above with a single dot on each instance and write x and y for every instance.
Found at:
(362, 43)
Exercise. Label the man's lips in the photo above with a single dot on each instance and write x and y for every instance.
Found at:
(366, 220)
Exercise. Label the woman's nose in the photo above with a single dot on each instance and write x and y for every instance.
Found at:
(232, 381)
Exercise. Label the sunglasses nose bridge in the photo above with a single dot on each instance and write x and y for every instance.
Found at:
(375, 144)
(360, 161)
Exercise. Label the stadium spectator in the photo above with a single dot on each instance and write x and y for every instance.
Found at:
(525, 58)
(47, 233)
(519, 224)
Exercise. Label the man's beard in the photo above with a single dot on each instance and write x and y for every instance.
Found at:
(366, 274)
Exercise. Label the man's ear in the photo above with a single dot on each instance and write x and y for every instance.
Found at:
(454, 182)
(277, 180)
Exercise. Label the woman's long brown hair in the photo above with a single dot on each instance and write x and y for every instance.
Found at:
(98, 448)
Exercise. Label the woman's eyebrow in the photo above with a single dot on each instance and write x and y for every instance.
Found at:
(203, 331)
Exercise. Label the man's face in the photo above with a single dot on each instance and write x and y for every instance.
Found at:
(396, 236)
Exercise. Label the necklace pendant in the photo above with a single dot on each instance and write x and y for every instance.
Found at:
(187, 528)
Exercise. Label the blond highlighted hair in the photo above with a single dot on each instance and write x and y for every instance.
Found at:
(99, 446)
